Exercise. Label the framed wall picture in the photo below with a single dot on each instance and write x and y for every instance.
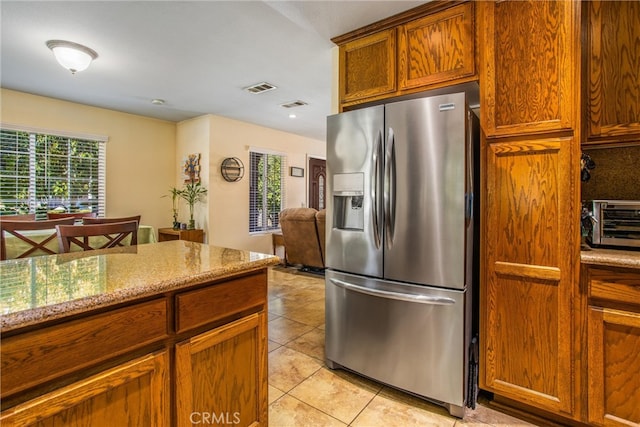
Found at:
(294, 171)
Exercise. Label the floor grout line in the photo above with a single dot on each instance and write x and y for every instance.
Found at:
(285, 285)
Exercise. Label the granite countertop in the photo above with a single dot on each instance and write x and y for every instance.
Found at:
(46, 288)
(611, 257)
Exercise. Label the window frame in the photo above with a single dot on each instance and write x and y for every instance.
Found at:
(254, 228)
(32, 200)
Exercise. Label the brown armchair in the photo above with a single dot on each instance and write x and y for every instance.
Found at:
(300, 234)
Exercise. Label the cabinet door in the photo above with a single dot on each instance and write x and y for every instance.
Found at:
(221, 375)
(528, 257)
(437, 48)
(614, 367)
(133, 394)
(613, 69)
(528, 70)
(368, 66)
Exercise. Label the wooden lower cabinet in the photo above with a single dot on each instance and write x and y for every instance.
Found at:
(221, 375)
(167, 234)
(612, 375)
(197, 355)
(614, 367)
(526, 297)
(135, 393)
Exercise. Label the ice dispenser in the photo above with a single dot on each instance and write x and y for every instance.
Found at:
(348, 197)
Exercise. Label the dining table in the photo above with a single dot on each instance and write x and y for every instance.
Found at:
(15, 246)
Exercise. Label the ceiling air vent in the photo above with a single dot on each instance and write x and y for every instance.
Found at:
(260, 87)
(293, 104)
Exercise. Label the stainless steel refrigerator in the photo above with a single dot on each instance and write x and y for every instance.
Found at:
(400, 245)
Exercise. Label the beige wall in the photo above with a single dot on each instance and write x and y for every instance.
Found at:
(141, 153)
(335, 80)
(228, 202)
(192, 137)
(145, 158)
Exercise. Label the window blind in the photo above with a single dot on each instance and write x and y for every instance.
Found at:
(266, 190)
(41, 173)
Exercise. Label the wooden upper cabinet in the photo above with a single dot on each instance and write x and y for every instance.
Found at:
(368, 66)
(437, 48)
(528, 70)
(613, 70)
(424, 48)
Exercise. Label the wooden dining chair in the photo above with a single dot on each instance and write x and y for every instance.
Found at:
(89, 221)
(34, 234)
(80, 235)
(75, 215)
(21, 217)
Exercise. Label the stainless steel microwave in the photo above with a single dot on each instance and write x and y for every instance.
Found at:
(615, 223)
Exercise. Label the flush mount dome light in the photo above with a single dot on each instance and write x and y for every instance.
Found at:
(72, 56)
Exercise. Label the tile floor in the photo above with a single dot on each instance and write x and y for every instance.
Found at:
(304, 392)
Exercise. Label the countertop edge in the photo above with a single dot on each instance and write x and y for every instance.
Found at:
(30, 317)
(611, 258)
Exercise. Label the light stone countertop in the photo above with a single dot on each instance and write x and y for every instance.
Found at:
(611, 257)
(46, 288)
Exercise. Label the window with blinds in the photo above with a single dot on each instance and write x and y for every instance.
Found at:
(41, 173)
(266, 190)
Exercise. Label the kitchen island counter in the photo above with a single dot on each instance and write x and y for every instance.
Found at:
(159, 334)
(47, 288)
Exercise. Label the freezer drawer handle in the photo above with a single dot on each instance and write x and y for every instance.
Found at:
(422, 299)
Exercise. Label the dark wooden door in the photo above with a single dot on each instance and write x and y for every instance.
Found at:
(317, 183)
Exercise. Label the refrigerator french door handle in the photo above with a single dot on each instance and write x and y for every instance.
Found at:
(390, 188)
(375, 208)
(421, 299)
(470, 155)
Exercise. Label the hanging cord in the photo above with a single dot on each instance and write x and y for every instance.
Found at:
(472, 385)
(586, 164)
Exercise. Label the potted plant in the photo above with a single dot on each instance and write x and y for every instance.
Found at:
(193, 193)
(175, 196)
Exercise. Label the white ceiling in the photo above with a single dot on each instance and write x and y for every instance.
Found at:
(196, 55)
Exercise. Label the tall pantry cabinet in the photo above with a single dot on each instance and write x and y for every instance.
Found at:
(530, 95)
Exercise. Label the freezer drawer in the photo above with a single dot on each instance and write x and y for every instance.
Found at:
(408, 336)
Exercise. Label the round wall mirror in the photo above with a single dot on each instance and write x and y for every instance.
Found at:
(232, 169)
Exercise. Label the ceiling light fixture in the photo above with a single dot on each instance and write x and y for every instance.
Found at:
(157, 101)
(72, 56)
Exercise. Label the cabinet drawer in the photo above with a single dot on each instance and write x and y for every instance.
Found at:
(615, 285)
(202, 306)
(30, 359)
